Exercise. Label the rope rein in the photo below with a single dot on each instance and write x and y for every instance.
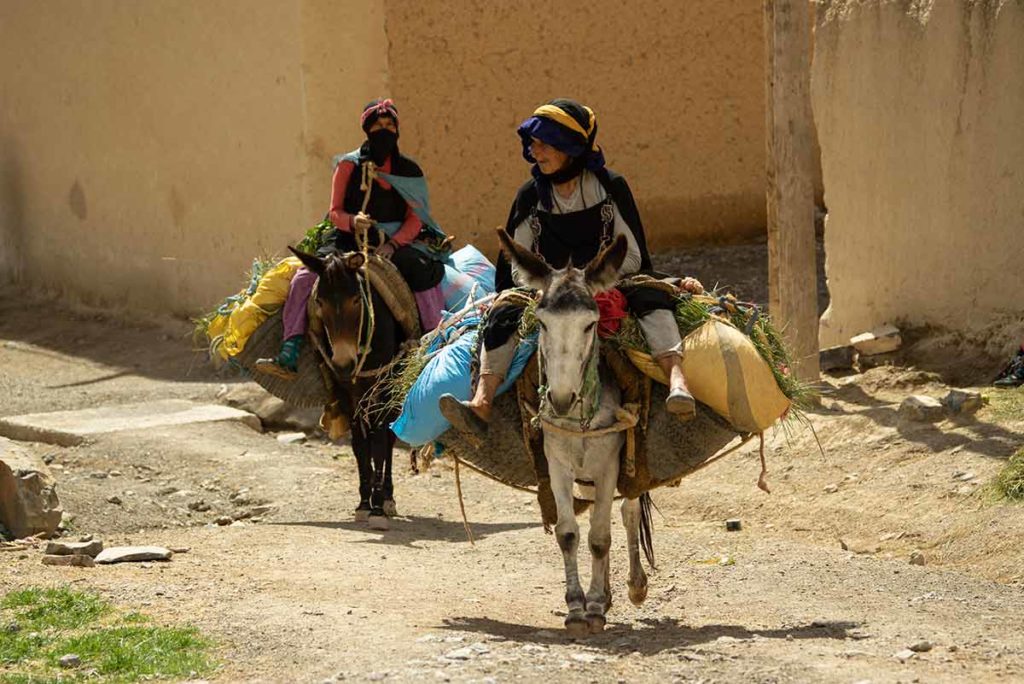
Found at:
(367, 320)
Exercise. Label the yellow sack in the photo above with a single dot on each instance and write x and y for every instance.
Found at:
(231, 330)
(724, 370)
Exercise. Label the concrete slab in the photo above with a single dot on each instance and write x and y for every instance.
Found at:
(68, 428)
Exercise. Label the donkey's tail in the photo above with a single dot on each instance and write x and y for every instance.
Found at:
(647, 527)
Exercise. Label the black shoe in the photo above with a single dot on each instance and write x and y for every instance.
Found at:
(1013, 374)
(471, 426)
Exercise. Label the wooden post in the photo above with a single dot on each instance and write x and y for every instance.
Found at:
(792, 276)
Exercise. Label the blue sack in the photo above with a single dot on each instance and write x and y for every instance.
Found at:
(463, 270)
(449, 371)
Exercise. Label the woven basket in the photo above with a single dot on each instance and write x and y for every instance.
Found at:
(305, 391)
(673, 449)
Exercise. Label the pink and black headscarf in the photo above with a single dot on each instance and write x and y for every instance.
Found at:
(376, 109)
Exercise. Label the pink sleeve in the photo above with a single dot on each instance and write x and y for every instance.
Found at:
(411, 227)
(341, 219)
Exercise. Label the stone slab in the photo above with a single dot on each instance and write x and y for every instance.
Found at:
(881, 340)
(77, 560)
(70, 428)
(129, 554)
(66, 548)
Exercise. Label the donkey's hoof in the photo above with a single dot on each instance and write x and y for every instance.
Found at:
(637, 594)
(596, 623)
(362, 514)
(379, 522)
(390, 508)
(577, 625)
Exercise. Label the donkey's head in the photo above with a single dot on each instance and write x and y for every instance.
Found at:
(340, 301)
(567, 314)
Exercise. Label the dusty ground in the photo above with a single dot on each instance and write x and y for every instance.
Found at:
(306, 594)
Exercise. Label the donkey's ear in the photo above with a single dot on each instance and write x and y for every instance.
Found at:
(355, 261)
(534, 271)
(310, 261)
(603, 271)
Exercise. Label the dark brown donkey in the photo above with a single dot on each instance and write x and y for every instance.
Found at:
(340, 300)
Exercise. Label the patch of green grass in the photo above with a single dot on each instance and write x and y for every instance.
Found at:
(42, 609)
(132, 652)
(39, 626)
(1009, 484)
(1006, 406)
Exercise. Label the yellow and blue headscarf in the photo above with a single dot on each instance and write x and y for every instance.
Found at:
(567, 126)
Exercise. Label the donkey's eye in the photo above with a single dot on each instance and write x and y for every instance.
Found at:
(590, 327)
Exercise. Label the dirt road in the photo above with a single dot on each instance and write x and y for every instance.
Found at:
(305, 594)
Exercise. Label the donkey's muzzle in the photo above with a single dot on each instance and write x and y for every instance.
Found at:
(561, 403)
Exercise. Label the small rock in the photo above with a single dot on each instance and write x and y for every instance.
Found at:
(962, 476)
(963, 402)
(922, 409)
(224, 520)
(86, 538)
(291, 437)
(587, 658)
(733, 525)
(199, 506)
(99, 475)
(70, 660)
(859, 546)
(904, 655)
(78, 560)
(165, 491)
(12, 628)
(831, 489)
(48, 459)
(921, 647)
(128, 554)
(917, 558)
(114, 499)
(881, 340)
(116, 473)
(62, 548)
(180, 549)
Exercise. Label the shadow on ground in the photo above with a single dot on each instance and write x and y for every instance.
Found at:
(649, 636)
(405, 531)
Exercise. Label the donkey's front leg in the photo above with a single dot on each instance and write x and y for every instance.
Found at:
(599, 598)
(567, 533)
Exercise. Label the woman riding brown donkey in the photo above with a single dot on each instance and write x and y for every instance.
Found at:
(379, 198)
(570, 208)
(394, 218)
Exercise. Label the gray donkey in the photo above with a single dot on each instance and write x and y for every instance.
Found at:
(581, 419)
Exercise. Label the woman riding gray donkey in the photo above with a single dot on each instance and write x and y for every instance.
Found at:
(571, 207)
(391, 218)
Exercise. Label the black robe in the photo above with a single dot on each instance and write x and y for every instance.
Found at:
(614, 185)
